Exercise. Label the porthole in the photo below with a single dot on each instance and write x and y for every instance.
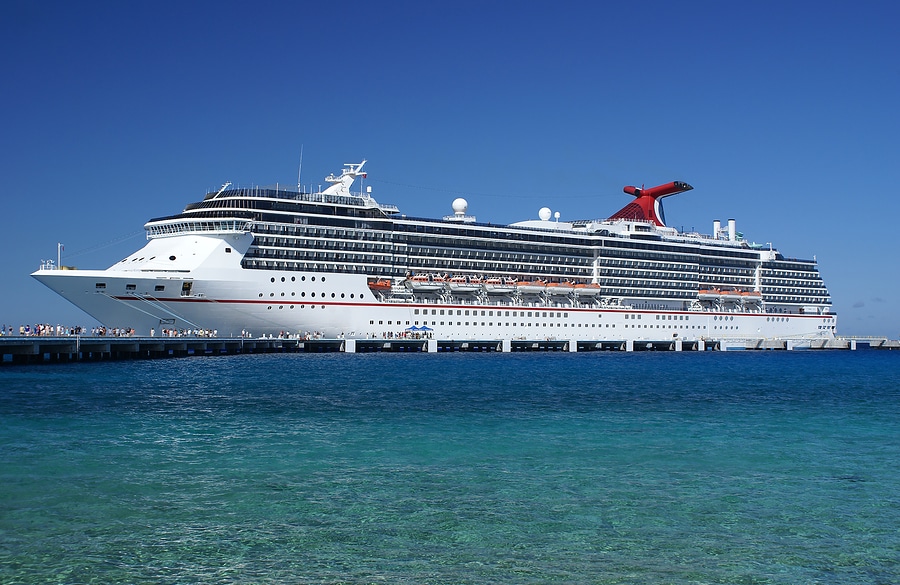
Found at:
(342, 295)
(273, 279)
(282, 279)
(323, 279)
(260, 294)
(271, 294)
(332, 295)
(171, 257)
(293, 279)
(313, 278)
(302, 278)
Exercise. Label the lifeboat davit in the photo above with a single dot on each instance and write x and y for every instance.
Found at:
(464, 284)
(499, 286)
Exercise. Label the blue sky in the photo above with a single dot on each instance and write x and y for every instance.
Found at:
(783, 116)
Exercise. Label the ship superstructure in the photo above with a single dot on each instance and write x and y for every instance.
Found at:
(338, 263)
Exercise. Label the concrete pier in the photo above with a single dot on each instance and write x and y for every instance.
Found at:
(39, 349)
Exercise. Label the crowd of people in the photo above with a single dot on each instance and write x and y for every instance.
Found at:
(42, 330)
(186, 332)
(47, 330)
(406, 334)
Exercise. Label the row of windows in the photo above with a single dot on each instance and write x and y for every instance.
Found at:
(638, 292)
(228, 225)
(723, 284)
(563, 315)
(799, 266)
(649, 256)
(321, 244)
(650, 274)
(501, 246)
(648, 285)
(646, 264)
(799, 299)
(312, 294)
(465, 312)
(499, 324)
(729, 270)
(447, 253)
(804, 282)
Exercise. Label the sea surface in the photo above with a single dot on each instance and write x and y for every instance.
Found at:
(688, 468)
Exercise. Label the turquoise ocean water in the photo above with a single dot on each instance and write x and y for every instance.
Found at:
(737, 467)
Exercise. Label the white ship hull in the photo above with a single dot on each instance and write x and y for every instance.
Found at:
(273, 262)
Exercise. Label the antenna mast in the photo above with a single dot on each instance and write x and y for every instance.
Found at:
(300, 169)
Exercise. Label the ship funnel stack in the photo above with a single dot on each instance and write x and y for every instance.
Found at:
(717, 227)
(647, 205)
(732, 230)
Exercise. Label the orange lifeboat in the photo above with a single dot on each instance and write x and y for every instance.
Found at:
(587, 289)
(425, 283)
(559, 288)
(531, 288)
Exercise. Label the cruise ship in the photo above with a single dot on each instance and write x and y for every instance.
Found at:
(337, 264)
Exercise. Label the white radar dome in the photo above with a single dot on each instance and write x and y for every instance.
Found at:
(544, 213)
(460, 206)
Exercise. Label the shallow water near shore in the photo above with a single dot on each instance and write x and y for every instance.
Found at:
(748, 467)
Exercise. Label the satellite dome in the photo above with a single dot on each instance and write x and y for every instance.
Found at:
(544, 213)
(460, 206)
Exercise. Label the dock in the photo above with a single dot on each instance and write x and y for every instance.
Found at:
(23, 350)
